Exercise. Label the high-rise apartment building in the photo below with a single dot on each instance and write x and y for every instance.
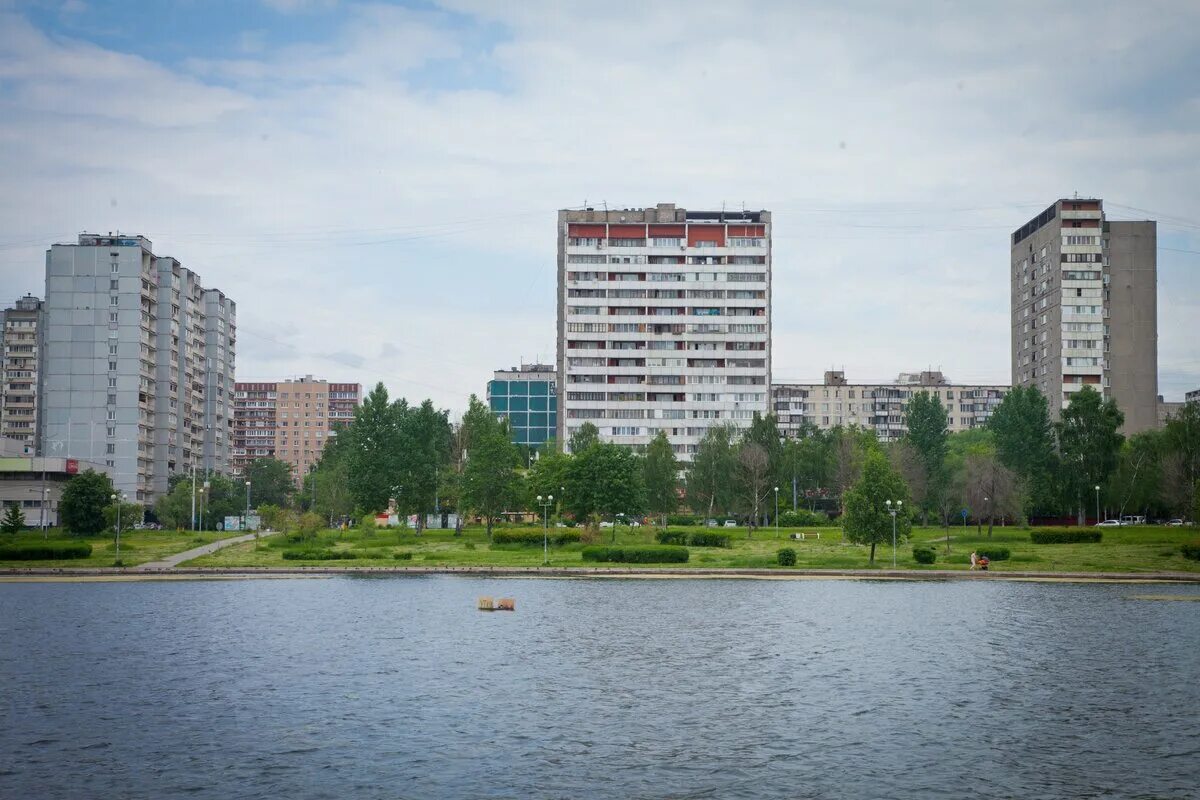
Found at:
(664, 322)
(1192, 397)
(880, 407)
(139, 362)
(527, 397)
(1084, 308)
(21, 330)
(289, 420)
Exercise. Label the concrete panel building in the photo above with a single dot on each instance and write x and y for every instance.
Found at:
(664, 322)
(22, 327)
(880, 406)
(1084, 308)
(289, 420)
(139, 359)
(528, 398)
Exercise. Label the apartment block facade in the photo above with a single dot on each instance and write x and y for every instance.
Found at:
(880, 407)
(139, 363)
(528, 398)
(22, 327)
(664, 322)
(1084, 308)
(289, 420)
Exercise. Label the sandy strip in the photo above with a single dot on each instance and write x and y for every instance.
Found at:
(114, 578)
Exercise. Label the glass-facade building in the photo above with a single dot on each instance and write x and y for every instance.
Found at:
(527, 397)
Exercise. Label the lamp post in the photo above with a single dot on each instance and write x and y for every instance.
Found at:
(1097, 502)
(545, 503)
(776, 512)
(203, 497)
(893, 509)
(247, 522)
(193, 495)
(118, 500)
(45, 503)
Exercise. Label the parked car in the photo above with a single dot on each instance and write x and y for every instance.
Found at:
(633, 523)
(1174, 523)
(606, 524)
(1109, 523)
(1132, 520)
(711, 523)
(731, 523)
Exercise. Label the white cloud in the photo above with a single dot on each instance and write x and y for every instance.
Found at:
(382, 202)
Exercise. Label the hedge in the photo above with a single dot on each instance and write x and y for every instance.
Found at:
(1064, 536)
(683, 519)
(557, 537)
(1191, 550)
(48, 551)
(710, 539)
(786, 557)
(803, 518)
(993, 553)
(318, 555)
(645, 554)
(924, 555)
(671, 537)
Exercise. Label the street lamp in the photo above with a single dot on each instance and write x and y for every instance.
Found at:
(1097, 502)
(777, 512)
(893, 510)
(203, 497)
(118, 501)
(545, 503)
(247, 523)
(45, 503)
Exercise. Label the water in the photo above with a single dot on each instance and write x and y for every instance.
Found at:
(398, 687)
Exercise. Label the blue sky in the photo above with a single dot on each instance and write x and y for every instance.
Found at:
(375, 184)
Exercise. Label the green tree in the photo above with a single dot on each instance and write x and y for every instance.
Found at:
(764, 432)
(1136, 482)
(587, 435)
(754, 482)
(805, 462)
(867, 518)
(1181, 457)
(271, 482)
(272, 517)
(548, 476)
(1088, 443)
(710, 476)
(489, 481)
(928, 430)
(660, 471)
(426, 434)
(849, 448)
(84, 499)
(605, 479)
(174, 509)
(14, 520)
(374, 448)
(131, 514)
(1025, 443)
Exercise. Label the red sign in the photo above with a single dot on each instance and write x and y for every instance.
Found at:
(72, 466)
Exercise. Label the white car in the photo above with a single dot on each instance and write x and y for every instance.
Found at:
(1109, 523)
(712, 523)
(635, 524)
(1174, 523)
(606, 524)
(731, 523)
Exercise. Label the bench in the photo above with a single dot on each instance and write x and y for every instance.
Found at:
(805, 535)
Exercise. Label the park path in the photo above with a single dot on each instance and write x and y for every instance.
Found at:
(174, 560)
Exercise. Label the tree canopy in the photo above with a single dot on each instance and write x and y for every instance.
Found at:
(868, 520)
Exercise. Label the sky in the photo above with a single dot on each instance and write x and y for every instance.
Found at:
(376, 185)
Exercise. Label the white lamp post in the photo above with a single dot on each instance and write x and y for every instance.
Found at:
(1097, 502)
(893, 509)
(777, 512)
(545, 503)
(118, 501)
(247, 524)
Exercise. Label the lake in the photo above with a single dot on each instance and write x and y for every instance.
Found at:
(391, 687)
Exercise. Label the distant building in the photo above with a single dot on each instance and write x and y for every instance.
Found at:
(22, 328)
(139, 363)
(1084, 308)
(289, 420)
(1192, 396)
(527, 398)
(880, 406)
(1166, 409)
(34, 483)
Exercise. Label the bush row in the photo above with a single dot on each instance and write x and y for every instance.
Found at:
(557, 536)
(644, 554)
(802, 518)
(318, 555)
(1191, 550)
(695, 539)
(45, 552)
(1064, 536)
(993, 553)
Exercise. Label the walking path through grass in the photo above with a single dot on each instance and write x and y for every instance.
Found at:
(175, 559)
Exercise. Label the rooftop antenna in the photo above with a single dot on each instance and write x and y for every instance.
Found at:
(605, 204)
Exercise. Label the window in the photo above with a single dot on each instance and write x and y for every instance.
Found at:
(112, 316)
(116, 267)
(666, 241)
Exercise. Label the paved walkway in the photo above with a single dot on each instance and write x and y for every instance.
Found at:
(172, 561)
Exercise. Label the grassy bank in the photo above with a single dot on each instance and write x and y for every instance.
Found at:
(137, 547)
(1140, 549)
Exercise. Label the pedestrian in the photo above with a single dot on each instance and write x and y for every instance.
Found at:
(974, 559)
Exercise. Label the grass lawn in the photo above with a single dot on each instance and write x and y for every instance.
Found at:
(137, 547)
(1138, 549)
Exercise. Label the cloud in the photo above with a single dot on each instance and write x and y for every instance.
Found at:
(386, 184)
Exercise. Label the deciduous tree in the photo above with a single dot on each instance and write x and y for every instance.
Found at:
(489, 478)
(271, 481)
(1088, 442)
(928, 429)
(867, 518)
(661, 474)
(84, 499)
(710, 484)
(1025, 443)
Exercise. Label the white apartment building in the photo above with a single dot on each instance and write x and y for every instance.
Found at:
(880, 406)
(664, 322)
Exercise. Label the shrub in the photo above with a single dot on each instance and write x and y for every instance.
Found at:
(645, 554)
(709, 539)
(671, 537)
(786, 557)
(803, 518)
(993, 553)
(47, 551)
(367, 523)
(318, 555)
(1064, 536)
(531, 538)
(924, 555)
(682, 519)
(403, 555)
(1191, 550)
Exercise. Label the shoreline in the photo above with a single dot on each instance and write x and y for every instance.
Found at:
(65, 574)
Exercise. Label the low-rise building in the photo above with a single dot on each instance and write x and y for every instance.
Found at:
(880, 406)
(35, 483)
(528, 398)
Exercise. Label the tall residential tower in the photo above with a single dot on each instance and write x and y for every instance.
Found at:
(664, 322)
(1084, 308)
(23, 328)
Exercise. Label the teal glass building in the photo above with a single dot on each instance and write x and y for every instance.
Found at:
(527, 397)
